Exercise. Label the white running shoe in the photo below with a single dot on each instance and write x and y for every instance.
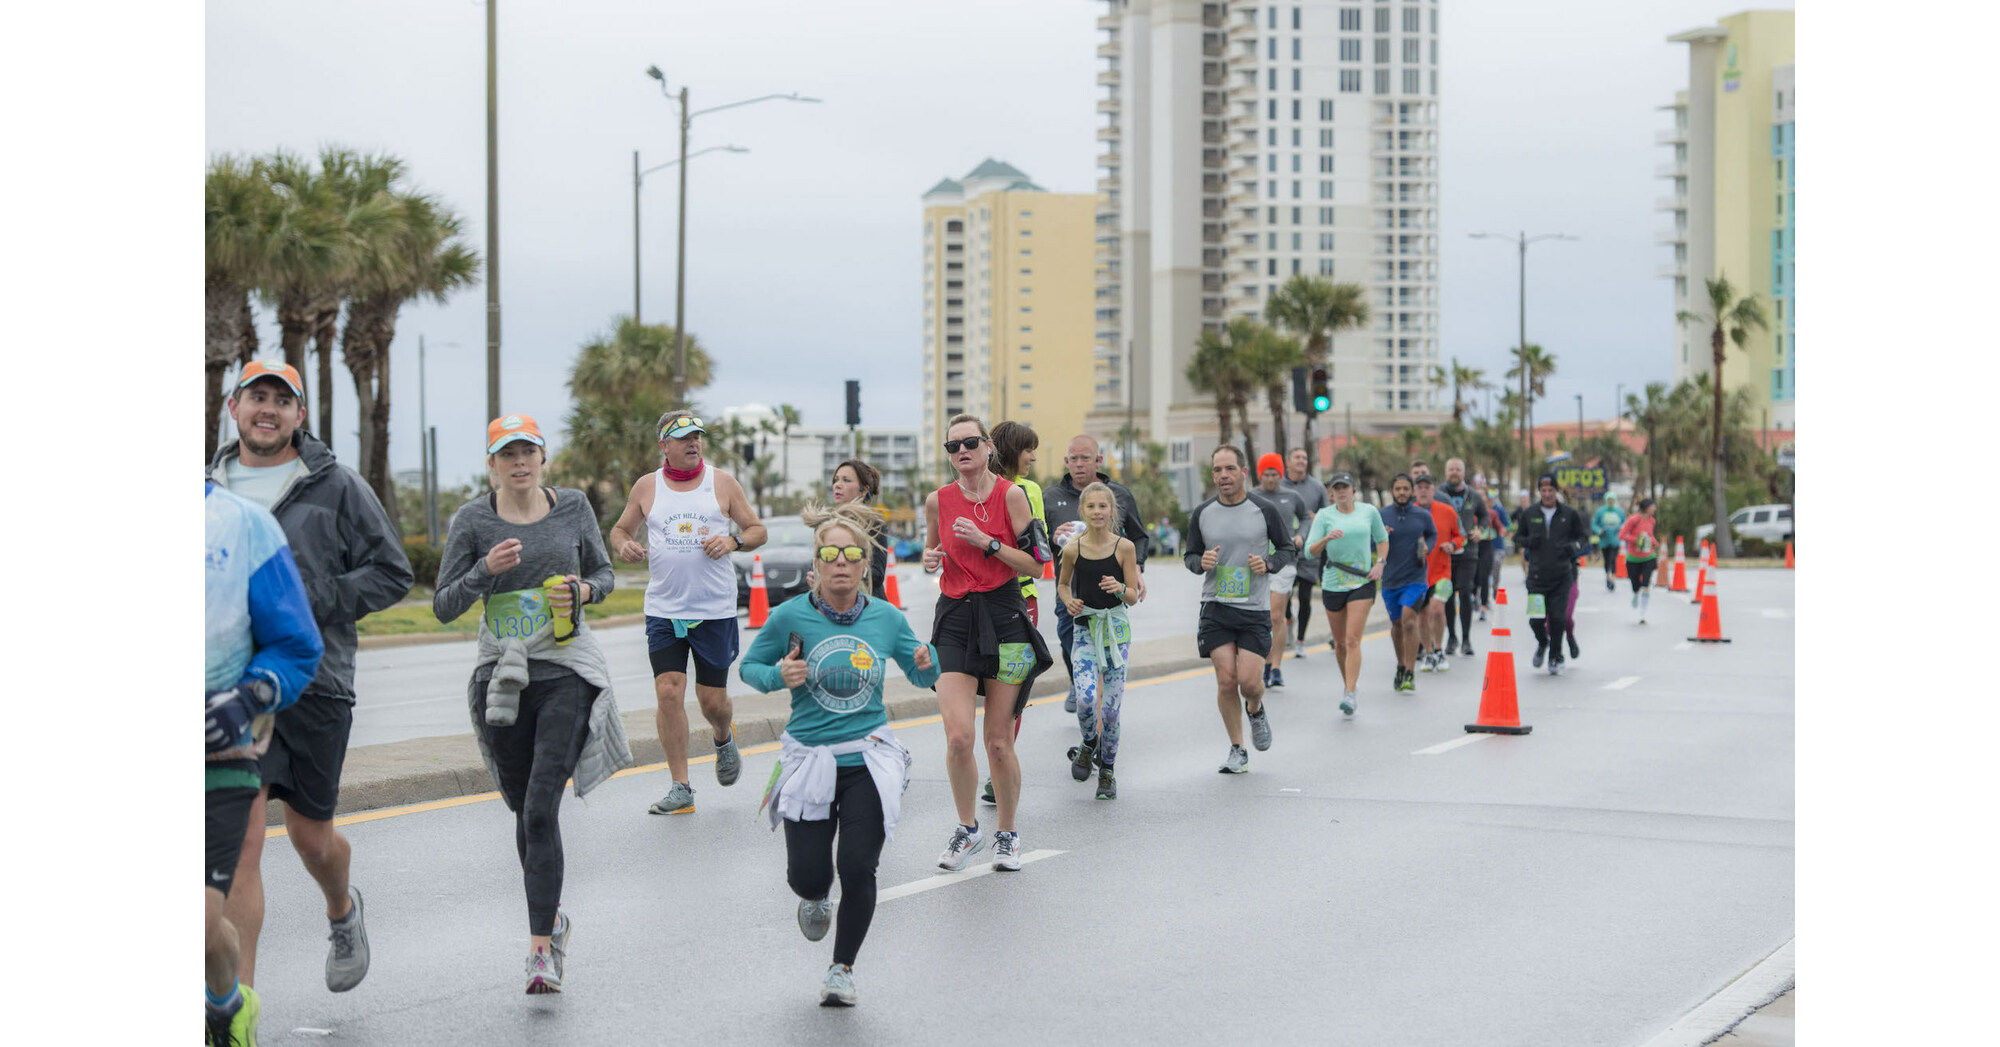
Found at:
(1347, 703)
(1007, 851)
(1237, 762)
(964, 844)
(837, 990)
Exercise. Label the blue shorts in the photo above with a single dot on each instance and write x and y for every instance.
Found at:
(713, 644)
(1410, 596)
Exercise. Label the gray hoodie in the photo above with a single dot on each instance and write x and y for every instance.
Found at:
(349, 555)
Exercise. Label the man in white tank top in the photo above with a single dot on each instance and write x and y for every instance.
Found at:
(685, 509)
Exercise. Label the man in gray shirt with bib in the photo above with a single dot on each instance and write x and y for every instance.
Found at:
(1236, 541)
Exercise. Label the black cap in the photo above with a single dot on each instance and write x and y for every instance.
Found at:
(1548, 478)
(1423, 478)
(1341, 478)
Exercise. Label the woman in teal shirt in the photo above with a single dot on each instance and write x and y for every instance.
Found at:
(1353, 541)
(841, 772)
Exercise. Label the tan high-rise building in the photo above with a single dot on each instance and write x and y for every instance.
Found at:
(1733, 172)
(1007, 308)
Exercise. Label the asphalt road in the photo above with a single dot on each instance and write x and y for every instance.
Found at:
(1389, 879)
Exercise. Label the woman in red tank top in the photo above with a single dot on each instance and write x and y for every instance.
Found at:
(976, 526)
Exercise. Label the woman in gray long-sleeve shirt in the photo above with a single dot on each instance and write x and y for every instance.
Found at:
(501, 549)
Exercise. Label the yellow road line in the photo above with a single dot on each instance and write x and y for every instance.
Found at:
(276, 831)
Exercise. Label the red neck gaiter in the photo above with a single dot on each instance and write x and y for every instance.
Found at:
(684, 475)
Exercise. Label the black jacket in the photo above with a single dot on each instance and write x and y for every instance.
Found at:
(349, 555)
(1061, 504)
(1549, 549)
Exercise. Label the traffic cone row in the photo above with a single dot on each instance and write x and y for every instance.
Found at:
(760, 601)
(1499, 705)
(1679, 583)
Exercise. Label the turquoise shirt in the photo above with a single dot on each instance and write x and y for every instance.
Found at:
(1360, 532)
(841, 699)
(1604, 523)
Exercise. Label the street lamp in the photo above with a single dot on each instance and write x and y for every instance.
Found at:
(1522, 240)
(680, 234)
(427, 437)
(1579, 419)
(637, 177)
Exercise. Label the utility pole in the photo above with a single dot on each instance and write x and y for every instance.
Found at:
(423, 428)
(1131, 402)
(635, 237)
(1579, 419)
(1522, 240)
(680, 263)
(492, 217)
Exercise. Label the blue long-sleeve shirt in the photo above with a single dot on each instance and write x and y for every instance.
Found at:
(841, 699)
(259, 623)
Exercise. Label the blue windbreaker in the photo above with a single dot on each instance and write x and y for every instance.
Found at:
(258, 621)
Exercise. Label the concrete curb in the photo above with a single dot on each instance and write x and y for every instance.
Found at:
(1745, 994)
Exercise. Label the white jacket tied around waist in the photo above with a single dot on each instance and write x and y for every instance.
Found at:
(803, 790)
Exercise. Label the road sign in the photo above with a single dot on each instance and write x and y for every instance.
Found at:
(1583, 479)
(1785, 456)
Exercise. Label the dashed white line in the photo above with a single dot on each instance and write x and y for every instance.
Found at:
(931, 883)
(1621, 683)
(1682, 646)
(1776, 612)
(1445, 747)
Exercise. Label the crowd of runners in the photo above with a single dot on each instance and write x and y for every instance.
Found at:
(299, 550)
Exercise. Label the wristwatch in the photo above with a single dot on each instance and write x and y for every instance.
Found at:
(739, 540)
(992, 546)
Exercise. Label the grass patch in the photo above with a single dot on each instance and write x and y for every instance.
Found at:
(407, 618)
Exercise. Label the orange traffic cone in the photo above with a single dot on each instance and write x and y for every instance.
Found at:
(890, 590)
(1049, 571)
(1620, 572)
(1499, 706)
(1700, 585)
(1583, 561)
(1710, 629)
(760, 601)
(1711, 554)
(1788, 557)
(1679, 583)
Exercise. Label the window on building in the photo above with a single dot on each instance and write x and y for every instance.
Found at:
(1781, 206)
(1382, 19)
(1295, 21)
(1350, 49)
(1295, 189)
(1027, 232)
(1413, 50)
(1295, 43)
(1027, 367)
(1026, 251)
(1271, 48)
(1295, 138)
(1381, 50)
(1326, 163)
(1434, 21)
(1027, 308)
(1325, 189)
(1412, 82)
(1271, 162)
(1295, 267)
(1434, 81)
(1270, 267)
(1270, 241)
(1350, 80)
(1027, 272)
(1271, 20)
(1273, 194)
(1326, 216)
(1274, 108)
(1295, 163)
(1326, 138)
(1326, 241)
(1326, 267)
(1271, 215)
(1296, 245)
(1295, 221)
(1350, 19)
(1326, 109)
(1271, 77)
(1295, 108)
(1411, 23)
(1272, 137)
(1381, 81)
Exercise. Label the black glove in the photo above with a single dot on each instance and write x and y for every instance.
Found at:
(230, 713)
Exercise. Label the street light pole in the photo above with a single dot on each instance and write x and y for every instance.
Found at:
(492, 218)
(1579, 419)
(1522, 240)
(638, 177)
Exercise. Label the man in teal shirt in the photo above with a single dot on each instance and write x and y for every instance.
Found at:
(1604, 525)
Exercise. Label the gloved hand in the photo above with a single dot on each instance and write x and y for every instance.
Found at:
(229, 713)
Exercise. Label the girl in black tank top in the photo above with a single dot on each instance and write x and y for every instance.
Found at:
(1095, 590)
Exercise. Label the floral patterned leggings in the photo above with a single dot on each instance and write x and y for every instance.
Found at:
(1092, 682)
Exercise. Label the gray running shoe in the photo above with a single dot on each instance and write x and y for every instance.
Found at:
(1107, 786)
(559, 942)
(1007, 851)
(964, 844)
(347, 961)
(1441, 663)
(837, 990)
(1237, 762)
(1069, 705)
(815, 917)
(1080, 760)
(679, 800)
(1260, 729)
(1347, 703)
(544, 973)
(728, 762)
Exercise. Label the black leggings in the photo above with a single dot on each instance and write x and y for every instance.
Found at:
(1482, 574)
(1640, 573)
(810, 857)
(1610, 562)
(1550, 630)
(534, 757)
(1304, 586)
(1463, 595)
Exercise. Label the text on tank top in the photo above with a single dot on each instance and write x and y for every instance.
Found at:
(685, 582)
(968, 569)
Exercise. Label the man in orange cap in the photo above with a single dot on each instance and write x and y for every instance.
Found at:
(1291, 510)
(351, 559)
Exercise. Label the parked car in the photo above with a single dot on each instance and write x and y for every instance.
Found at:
(908, 550)
(1772, 523)
(787, 554)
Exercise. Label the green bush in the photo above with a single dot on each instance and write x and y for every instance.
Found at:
(424, 560)
(1754, 548)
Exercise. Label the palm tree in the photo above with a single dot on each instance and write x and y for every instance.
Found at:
(637, 357)
(1267, 361)
(1413, 438)
(1461, 378)
(1216, 369)
(1734, 317)
(1532, 366)
(1649, 415)
(788, 418)
(238, 214)
(619, 386)
(1313, 310)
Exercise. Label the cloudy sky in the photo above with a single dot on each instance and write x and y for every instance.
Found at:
(803, 262)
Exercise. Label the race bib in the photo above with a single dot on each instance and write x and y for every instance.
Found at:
(1443, 589)
(1232, 584)
(1537, 606)
(1644, 544)
(1017, 660)
(518, 614)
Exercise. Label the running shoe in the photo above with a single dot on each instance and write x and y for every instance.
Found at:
(728, 762)
(679, 800)
(559, 941)
(1409, 683)
(837, 989)
(1451, 645)
(815, 916)
(986, 794)
(347, 959)
(1237, 762)
(1555, 667)
(1277, 678)
(1574, 654)
(1482, 614)
(1260, 729)
(1441, 664)
(1541, 652)
(1465, 648)
(965, 842)
(1107, 785)
(544, 972)
(1299, 649)
(1347, 704)
(1069, 704)
(1081, 757)
(239, 1029)
(1609, 587)
(1007, 851)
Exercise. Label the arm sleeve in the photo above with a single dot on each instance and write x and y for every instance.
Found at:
(759, 668)
(593, 565)
(281, 623)
(1282, 553)
(1192, 547)
(462, 576)
(906, 655)
(381, 575)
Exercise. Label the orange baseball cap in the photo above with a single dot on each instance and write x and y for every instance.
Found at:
(1269, 461)
(283, 372)
(502, 431)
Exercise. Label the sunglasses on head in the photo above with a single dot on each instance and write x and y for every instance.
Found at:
(682, 422)
(830, 553)
(969, 443)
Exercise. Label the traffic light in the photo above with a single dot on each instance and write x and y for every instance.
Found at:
(853, 402)
(1322, 399)
(1301, 399)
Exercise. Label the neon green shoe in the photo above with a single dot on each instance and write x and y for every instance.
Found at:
(242, 1029)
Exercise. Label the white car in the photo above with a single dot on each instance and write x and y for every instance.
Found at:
(1771, 523)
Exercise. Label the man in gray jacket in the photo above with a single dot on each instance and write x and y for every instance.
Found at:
(352, 562)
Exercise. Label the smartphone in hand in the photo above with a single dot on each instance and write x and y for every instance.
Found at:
(795, 646)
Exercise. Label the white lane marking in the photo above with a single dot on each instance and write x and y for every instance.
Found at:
(931, 883)
(1776, 612)
(1621, 683)
(1721, 1012)
(1445, 747)
(1289, 790)
(1683, 645)
(310, 1031)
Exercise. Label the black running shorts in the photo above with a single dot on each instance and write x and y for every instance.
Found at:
(1248, 628)
(231, 795)
(308, 746)
(1337, 602)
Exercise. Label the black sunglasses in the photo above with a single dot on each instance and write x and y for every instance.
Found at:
(970, 443)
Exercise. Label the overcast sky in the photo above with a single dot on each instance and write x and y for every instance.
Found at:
(803, 254)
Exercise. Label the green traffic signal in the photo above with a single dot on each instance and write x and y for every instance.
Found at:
(1322, 403)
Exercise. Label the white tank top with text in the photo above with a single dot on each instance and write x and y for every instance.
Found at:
(685, 582)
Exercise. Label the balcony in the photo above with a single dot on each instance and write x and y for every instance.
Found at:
(1109, 160)
(1670, 271)
(1212, 134)
(1211, 234)
(1213, 258)
(1108, 105)
(1108, 77)
(1108, 49)
(1676, 169)
(1670, 236)
(1671, 136)
(1211, 76)
(1108, 133)
(1211, 44)
(1214, 183)
(1214, 283)
(1670, 203)
(1212, 15)
(1212, 208)
(1214, 159)
(1107, 21)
